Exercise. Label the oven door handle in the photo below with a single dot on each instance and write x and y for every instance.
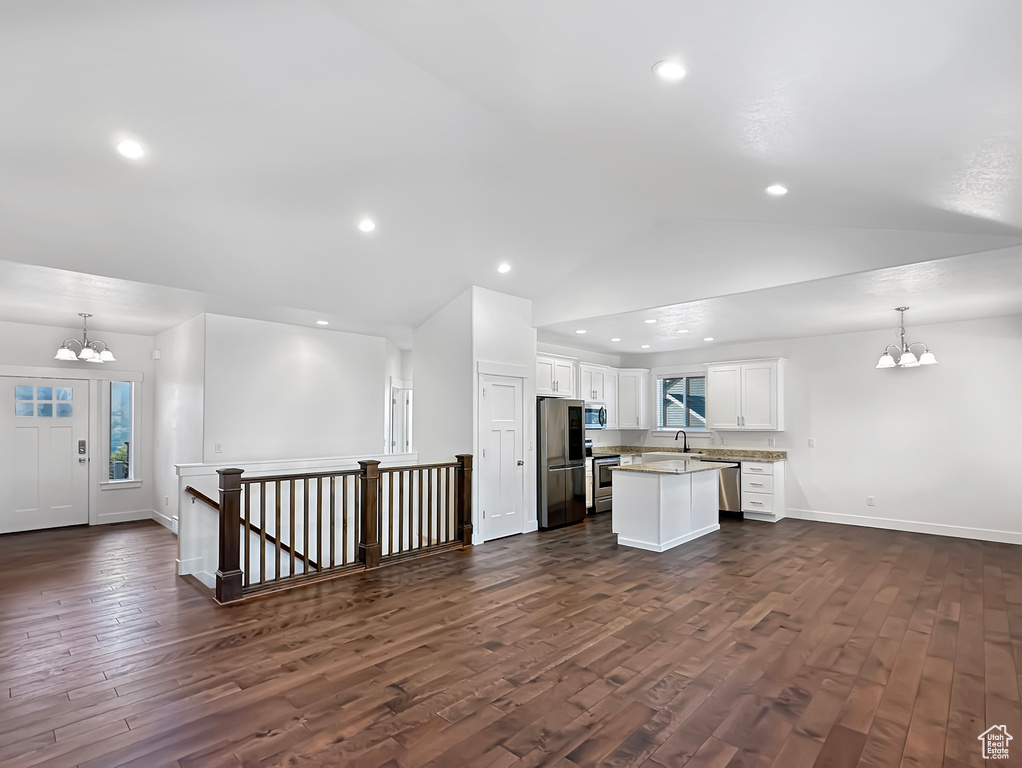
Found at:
(603, 417)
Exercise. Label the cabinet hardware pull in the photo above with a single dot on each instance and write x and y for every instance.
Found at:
(757, 502)
(758, 485)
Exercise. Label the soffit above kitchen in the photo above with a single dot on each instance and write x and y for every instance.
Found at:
(529, 132)
(945, 290)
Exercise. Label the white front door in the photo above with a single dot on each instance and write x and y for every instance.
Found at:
(500, 471)
(44, 460)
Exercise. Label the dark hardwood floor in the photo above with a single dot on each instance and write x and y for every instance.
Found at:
(788, 645)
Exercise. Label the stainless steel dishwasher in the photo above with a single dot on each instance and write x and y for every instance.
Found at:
(729, 491)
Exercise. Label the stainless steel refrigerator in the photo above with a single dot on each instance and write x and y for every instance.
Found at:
(561, 475)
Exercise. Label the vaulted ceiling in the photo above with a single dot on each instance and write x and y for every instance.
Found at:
(475, 132)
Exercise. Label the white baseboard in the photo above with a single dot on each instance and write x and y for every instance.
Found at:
(106, 518)
(669, 544)
(206, 578)
(531, 525)
(165, 520)
(191, 565)
(910, 526)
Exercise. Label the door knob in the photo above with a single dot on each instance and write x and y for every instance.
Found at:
(81, 460)
(521, 463)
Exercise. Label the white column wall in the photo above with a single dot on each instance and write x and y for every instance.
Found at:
(179, 384)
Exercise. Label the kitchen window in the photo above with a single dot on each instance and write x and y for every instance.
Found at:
(681, 402)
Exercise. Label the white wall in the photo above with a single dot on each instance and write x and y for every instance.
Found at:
(178, 386)
(936, 446)
(503, 334)
(24, 346)
(275, 391)
(442, 394)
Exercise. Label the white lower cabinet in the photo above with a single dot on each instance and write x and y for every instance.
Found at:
(763, 490)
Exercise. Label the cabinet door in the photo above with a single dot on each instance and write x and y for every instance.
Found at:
(587, 383)
(723, 397)
(759, 395)
(599, 385)
(610, 398)
(544, 376)
(564, 378)
(629, 398)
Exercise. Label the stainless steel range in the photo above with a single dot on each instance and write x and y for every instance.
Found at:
(603, 482)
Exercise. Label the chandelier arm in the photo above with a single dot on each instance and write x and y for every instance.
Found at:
(68, 342)
(918, 344)
(895, 347)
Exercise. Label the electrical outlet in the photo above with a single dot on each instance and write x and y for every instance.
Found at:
(812, 442)
(871, 501)
(218, 447)
(772, 441)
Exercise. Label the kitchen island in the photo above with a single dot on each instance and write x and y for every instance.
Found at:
(661, 505)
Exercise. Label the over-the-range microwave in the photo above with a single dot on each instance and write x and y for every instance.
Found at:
(596, 417)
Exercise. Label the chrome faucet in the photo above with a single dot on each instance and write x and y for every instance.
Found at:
(684, 445)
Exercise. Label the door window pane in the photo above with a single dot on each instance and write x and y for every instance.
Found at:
(63, 410)
(45, 409)
(64, 393)
(24, 409)
(121, 463)
(44, 393)
(24, 393)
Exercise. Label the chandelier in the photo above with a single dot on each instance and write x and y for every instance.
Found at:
(94, 351)
(903, 356)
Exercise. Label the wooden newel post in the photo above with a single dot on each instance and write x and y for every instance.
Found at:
(369, 541)
(463, 498)
(228, 575)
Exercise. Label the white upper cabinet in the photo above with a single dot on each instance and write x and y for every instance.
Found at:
(610, 397)
(633, 398)
(745, 395)
(594, 382)
(555, 376)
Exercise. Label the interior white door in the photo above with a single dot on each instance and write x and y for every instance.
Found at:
(44, 458)
(400, 420)
(501, 470)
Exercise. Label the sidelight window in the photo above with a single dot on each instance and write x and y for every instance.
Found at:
(122, 460)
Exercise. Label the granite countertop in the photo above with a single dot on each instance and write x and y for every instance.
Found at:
(736, 454)
(672, 467)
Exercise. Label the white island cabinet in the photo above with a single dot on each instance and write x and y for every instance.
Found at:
(660, 505)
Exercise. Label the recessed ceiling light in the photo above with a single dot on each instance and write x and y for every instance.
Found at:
(367, 225)
(671, 71)
(682, 330)
(130, 148)
(777, 190)
(615, 339)
(708, 338)
(504, 268)
(651, 320)
(322, 322)
(644, 346)
(580, 330)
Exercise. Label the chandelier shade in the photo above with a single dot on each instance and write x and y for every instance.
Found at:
(91, 351)
(901, 355)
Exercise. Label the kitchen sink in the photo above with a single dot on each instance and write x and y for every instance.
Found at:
(669, 456)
